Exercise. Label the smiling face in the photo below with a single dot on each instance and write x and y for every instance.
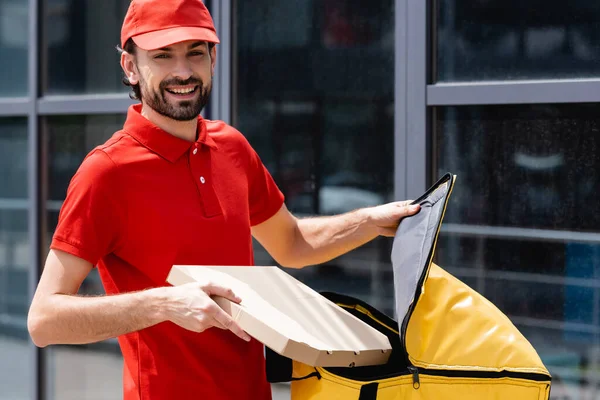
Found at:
(175, 81)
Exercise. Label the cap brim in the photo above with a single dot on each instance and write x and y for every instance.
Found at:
(166, 37)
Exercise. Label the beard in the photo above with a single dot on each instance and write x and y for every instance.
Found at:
(182, 110)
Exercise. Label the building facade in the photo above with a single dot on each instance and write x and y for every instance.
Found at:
(349, 103)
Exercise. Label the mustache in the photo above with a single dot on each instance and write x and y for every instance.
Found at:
(179, 82)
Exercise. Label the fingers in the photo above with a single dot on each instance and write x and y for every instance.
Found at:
(405, 205)
(221, 319)
(398, 210)
(388, 216)
(409, 210)
(212, 289)
(224, 321)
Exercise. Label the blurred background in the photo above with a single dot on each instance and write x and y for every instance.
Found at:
(350, 103)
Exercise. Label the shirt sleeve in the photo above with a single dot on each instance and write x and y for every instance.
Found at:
(264, 194)
(91, 218)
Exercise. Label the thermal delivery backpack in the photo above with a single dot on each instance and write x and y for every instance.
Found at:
(449, 342)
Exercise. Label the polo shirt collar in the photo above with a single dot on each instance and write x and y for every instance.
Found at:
(159, 141)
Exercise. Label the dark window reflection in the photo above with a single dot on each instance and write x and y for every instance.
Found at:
(511, 39)
(314, 82)
(13, 158)
(14, 231)
(79, 46)
(525, 278)
(522, 166)
(15, 261)
(14, 47)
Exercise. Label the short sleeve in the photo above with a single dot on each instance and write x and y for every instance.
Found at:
(91, 218)
(264, 195)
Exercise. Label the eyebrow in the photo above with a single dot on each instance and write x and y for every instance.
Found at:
(192, 46)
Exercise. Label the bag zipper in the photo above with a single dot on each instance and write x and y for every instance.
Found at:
(416, 372)
(415, 375)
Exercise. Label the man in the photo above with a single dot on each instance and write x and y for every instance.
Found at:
(173, 188)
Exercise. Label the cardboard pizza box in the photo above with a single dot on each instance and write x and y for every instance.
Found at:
(290, 318)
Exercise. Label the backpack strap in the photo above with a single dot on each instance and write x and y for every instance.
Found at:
(280, 369)
(369, 391)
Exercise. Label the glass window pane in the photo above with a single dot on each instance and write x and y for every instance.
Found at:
(510, 39)
(13, 159)
(15, 378)
(79, 371)
(535, 167)
(315, 98)
(79, 39)
(14, 47)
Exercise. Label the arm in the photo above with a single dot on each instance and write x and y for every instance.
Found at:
(295, 243)
(58, 316)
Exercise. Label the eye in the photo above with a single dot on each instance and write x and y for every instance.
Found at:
(163, 55)
(196, 53)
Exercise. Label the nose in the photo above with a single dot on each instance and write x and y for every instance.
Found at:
(182, 69)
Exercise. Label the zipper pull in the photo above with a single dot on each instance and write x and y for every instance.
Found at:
(415, 373)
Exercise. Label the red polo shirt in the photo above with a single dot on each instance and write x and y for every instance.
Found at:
(146, 200)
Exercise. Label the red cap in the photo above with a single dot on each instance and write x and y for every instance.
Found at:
(153, 24)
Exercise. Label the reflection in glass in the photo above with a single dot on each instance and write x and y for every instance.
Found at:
(79, 39)
(315, 98)
(526, 166)
(15, 377)
(14, 45)
(79, 371)
(510, 39)
(535, 167)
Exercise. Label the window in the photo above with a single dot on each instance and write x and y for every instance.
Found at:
(14, 47)
(14, 261)
(511, 39)
(314, 96)
(528, 166)
(79, 42)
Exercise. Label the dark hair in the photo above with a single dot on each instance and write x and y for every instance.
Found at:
(136, 92)
(130, 47)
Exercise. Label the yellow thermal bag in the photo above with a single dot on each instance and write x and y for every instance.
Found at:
(451, 344)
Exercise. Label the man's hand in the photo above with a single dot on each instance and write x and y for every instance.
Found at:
(191, 307)
(386, 218)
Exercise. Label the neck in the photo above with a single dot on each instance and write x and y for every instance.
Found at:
(185, 130)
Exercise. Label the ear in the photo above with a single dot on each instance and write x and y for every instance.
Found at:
(213, 60)
(129, 67)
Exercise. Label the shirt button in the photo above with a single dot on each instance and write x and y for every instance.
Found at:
(195, 151)
(202, 179)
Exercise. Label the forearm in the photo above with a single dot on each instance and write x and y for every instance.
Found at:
(70, 319)
(320, 239)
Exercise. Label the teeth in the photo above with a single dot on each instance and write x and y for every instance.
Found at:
(182, 91)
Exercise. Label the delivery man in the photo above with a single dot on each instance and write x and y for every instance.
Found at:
(173, 188)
